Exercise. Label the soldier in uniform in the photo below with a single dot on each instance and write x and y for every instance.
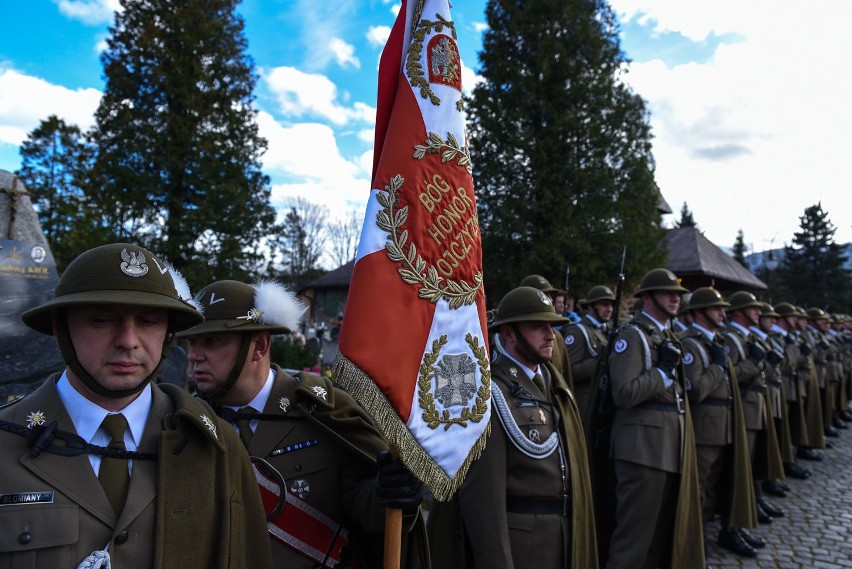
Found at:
(658, 512)
(527, 501)
(795, 387)
(312, 437)
(721, 447)
(586, 341)
(823, 354)
(100, 463)
(560, 360)
(809, 384)
(684, 317)
(776, 401)
(747, 353)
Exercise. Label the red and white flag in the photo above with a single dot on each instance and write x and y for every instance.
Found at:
(413, 347)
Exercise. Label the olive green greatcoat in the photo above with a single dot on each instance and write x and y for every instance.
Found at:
(338, 474)
(653, 438)
(475, 530)
(585, 342)
(766, 459)
(196, 506)
(720, 425)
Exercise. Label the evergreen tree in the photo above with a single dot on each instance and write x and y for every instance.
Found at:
(178, 165)
(813, 267)
(686, 218)
(55, 159)
(561, 148)
(740, 249)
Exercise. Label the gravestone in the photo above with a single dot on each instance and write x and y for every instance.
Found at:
(28, 277)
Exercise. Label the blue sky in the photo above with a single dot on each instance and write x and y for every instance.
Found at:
(749, 104)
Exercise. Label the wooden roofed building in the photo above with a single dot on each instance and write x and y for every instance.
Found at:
(698, 263)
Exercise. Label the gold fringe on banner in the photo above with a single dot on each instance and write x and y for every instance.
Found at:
(349, 376)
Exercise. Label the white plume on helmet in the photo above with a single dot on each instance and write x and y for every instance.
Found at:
(277, 305)
(182, 287)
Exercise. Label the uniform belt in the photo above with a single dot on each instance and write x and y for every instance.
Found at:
(677, 407)
(718, 402)
(533, 506)
(752, 387)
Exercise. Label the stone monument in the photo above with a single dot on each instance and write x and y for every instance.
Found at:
(28, 277)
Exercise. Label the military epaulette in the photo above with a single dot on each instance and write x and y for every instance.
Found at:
(316, 387)
(12, 401)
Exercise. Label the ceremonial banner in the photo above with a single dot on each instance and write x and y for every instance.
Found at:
(413, 346)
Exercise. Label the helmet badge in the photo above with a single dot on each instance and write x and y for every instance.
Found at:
(133, 264)
(544, 298)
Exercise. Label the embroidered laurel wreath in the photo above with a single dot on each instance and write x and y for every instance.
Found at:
(449, 150)
(414, 270)
(475, 412)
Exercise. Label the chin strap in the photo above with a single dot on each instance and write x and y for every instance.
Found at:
(222, 390)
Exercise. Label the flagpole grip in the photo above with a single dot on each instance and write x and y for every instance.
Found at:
(393, 531)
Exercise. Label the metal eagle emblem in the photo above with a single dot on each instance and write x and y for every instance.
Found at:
(455, 379)
(133, 264)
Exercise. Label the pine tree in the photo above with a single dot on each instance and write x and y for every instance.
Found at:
(55, 159)
(561, 148)
(813, 267)
(178, 165)
(686, 218)
(740, 249)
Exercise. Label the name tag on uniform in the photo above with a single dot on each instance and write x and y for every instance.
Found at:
(26, 498)
(526, 403)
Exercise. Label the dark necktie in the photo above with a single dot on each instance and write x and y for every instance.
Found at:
(244, 426)
(539, 382)
(113, 474)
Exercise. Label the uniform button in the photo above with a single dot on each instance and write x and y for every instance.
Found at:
(25, 538)
(121, 538)
(298, 468)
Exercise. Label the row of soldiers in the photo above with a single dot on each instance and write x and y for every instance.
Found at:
(102, 465)
(696, 408)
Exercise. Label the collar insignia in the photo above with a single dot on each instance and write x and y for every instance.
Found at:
(209, 424)
(36, 418)
(514, 371)
(320, 392)
(284, 404)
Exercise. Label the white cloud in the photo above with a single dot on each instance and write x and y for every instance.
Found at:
(91, 12)
(26, 100)
(377, 36)
(344, 53)
(470, 79)
(759, 132)
(480, 27)
(367, 135)
(299, 94)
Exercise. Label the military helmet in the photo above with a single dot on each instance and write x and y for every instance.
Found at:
(815, 313)
(706, 297)
(539, 282)
(232, 306)
(684, 304)
(526, 304)
(118, 274)
(597, 294)
(767, 310)
(742, 299)
(659, 279)
(800, 312)
(785, 309)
